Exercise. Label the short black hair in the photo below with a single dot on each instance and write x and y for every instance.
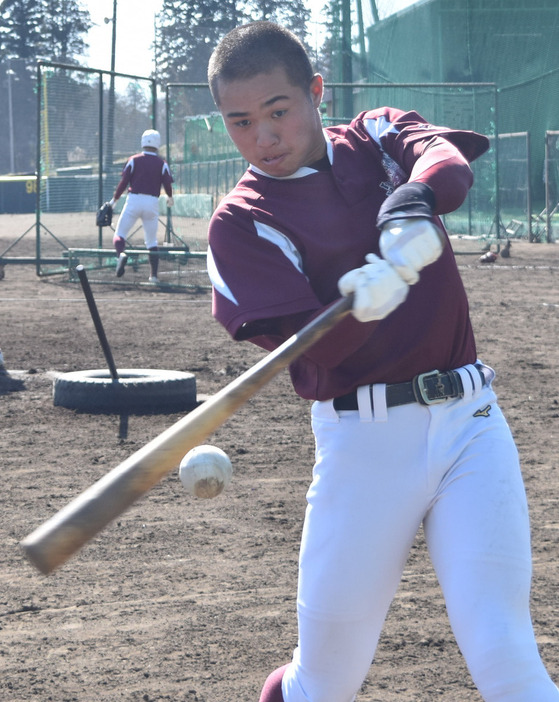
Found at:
(255, 48)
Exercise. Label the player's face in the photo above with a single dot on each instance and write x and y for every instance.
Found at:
(275, 125)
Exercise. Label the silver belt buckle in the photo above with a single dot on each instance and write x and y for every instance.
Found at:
(419, 388)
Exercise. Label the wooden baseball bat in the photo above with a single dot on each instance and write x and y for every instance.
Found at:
(52, 543)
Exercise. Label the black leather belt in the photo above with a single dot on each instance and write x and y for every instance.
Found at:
(426, 388)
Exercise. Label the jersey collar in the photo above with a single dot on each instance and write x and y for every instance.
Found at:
(301, 172)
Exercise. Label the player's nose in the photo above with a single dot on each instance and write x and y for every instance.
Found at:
(266, 136)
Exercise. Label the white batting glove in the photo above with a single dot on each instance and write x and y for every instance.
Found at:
(112, 202)
(377, 289)
(410, 245)
(170, 202)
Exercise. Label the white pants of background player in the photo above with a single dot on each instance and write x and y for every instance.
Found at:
(377, 478)
(145, 208)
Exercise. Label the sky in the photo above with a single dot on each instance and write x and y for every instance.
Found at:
(135, 33)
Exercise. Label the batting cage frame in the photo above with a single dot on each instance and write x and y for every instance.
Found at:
(515, 193)
(470, 106)
(549, 218)
(80, 121)
(89, 122)
(206, 164)
(204, 158)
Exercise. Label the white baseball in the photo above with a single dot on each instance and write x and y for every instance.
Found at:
(205, 471)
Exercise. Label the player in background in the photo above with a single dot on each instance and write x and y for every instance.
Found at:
(407, 426)
(144, 175)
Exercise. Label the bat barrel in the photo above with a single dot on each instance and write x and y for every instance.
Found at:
(69, 529)
(51, 544)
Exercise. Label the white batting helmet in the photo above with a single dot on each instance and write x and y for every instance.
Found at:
(151, 137)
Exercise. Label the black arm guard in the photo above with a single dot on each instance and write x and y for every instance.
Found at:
(409, 200)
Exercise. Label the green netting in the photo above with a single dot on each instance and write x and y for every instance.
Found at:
(204, 160)
(514, 185)
(206, 139)
(548, 219)
(89, 124)
(202, 156)
(511, 43)
(461, 106)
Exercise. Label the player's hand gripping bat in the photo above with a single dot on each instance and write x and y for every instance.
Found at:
(52, 543)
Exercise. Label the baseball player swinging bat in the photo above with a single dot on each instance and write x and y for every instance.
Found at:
(52, 543)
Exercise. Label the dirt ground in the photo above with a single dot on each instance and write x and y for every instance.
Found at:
(194, 600)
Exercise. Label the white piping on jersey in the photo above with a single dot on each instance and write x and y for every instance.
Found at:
(216, 280)
(329, 148)
(165, 168)
(265, 231)
(299, 173)
(379, 127)
(284, 244)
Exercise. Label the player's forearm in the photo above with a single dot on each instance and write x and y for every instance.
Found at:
(120, 188)
(447, 173)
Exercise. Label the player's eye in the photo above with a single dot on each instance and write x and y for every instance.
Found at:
(242, 123)
(278, 113)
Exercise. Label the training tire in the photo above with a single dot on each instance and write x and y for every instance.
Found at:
(136, 391)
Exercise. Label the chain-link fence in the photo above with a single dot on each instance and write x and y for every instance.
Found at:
(204, 159)
(89, 124)
(469, 106)
(202, 156)
(515, 203)
(549, 218)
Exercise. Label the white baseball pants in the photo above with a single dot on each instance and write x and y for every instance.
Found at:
(378, 476)
(145, 208)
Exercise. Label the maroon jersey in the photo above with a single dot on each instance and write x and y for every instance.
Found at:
(144, 174)
(278, 246)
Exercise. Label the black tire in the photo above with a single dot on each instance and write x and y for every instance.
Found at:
(136, 391)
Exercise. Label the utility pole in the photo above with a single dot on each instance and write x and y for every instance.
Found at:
(347, 68)
(111, 111)
(362, 51)
(10, 74)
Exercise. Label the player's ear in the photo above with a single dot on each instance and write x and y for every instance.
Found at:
(316, 89)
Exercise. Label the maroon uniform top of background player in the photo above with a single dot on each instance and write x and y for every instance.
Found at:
(145, 173)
